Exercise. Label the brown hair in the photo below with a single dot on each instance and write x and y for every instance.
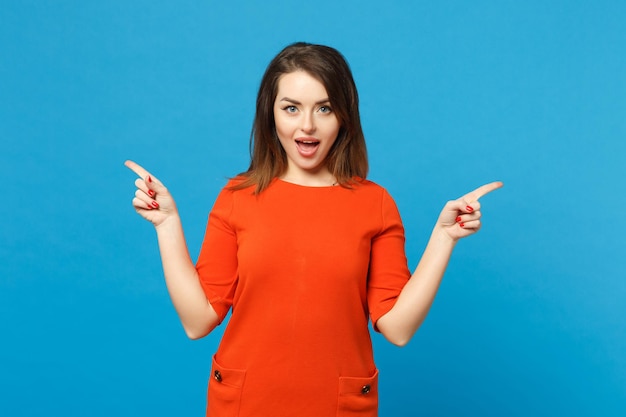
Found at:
(347, 158)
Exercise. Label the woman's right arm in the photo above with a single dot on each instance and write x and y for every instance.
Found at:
(154, 203)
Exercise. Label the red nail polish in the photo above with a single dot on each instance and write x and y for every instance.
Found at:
(150, 193)
(462, 224)
(149, 179)
(458, 219)
(155, 204)
(469, 208)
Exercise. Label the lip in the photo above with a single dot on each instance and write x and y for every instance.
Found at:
(307, 139)
(307, 146)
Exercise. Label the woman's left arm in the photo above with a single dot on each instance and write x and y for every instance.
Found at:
(458, 219)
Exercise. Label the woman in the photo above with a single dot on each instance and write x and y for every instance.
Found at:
(305, 250)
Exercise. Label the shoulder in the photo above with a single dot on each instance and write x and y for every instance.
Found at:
(235, 181)
(238, 185)
(379, 197)
(368, 187)
(233, 189)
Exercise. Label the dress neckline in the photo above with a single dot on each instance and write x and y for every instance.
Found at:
(315, 187)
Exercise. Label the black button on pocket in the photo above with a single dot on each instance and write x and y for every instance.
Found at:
(366, 389)
(218, 376)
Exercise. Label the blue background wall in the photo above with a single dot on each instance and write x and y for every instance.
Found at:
(530, 319)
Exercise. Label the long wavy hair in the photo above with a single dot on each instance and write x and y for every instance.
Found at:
(347, 158)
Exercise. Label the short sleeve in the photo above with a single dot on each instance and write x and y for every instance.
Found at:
(388, 271)
(217, 262)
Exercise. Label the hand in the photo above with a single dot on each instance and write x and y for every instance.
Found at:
(152, 200)
(461, 218)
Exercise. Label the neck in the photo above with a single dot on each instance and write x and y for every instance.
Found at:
(318, 180)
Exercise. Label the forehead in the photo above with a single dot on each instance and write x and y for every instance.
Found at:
(300, 84)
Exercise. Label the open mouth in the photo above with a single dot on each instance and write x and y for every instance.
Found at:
(307, 147)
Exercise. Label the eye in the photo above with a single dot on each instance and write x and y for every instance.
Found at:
(290, 109)
(325, 109)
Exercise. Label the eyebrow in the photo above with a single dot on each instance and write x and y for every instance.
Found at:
(290, 100)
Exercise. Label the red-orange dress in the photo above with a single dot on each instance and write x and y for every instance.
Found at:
(303, 269)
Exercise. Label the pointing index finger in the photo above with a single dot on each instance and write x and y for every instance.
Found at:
(482, 191)
(136, 168)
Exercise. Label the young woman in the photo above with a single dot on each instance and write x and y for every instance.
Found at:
(304, 250)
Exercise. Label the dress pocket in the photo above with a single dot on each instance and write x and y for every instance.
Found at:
(225, 387)
(358, 396)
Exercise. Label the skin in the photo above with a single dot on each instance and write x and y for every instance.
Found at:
(459, 218)
(302, 112)
(155, 203)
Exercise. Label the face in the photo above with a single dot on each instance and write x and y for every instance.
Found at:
(306, 126)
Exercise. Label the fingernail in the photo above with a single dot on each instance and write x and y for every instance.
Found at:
(462, 224)
(149, 179)
(155, 204)
(150, 193)
(469, 208)
(458, 219)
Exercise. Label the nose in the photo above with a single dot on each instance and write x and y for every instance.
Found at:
(308, 123)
